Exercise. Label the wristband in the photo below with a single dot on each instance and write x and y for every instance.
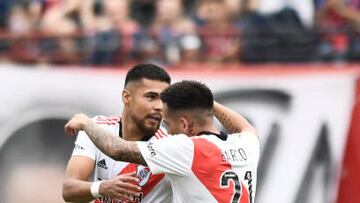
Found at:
(95, 189)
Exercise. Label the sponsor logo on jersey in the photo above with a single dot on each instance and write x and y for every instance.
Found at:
(150, 146)
(143, 173)
(102, 164)
(129, 199)
(78, 147)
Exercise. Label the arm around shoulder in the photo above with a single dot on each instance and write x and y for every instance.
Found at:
(231, 120)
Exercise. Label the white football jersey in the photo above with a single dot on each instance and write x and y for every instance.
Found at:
(154, 188)
(206, 168)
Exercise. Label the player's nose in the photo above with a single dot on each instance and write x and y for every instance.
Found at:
(158, 105)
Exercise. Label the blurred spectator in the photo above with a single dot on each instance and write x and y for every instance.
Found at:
(220, 36)
(61, 17)
(5, 6)
(238, 8)
(189, 7)
(18, 21)
(279, 36)
(60, 23)
(110, 30)
(24, 16)
(174, 33)
(23, 19)
(102, 38)
(118, 12)
(339, 21)
(304, 8)
(142, 11)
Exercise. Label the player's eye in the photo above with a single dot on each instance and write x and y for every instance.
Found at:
(151, 97)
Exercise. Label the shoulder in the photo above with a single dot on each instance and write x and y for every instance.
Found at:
(161, 133)
(110, 123)
(248, 137)
(171, 140)
(106, 120)
(101, 119)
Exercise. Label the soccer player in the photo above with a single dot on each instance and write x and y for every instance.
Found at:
(203, 164)
(140, 120)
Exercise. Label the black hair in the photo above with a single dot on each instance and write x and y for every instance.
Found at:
(188, 94)
(147, 71)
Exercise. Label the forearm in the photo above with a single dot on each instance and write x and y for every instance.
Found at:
(77, 190)
(113, 146)
(232, 121)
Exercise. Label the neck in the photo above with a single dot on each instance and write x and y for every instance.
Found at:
(130, 131)
(209, 128)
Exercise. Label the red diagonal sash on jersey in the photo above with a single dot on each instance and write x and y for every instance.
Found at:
(153, 180)
(202, 168)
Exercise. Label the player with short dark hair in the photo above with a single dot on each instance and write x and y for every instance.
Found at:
(188, 95)
(191, 97)
(202, 163)
(140, 120)
(148, 71)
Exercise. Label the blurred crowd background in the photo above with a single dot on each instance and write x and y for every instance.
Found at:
(307, 118)
(113, 32)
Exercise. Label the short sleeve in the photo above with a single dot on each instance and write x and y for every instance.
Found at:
(84, 146)
(170, 155)
(252, 143)
(250, 138)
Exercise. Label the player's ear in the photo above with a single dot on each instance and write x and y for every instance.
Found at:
(191, 130)
(183, 124)
(126, 97)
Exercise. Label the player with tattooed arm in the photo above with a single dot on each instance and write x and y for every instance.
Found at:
(202, 163)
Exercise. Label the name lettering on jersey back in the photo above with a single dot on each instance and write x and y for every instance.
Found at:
(234, 155)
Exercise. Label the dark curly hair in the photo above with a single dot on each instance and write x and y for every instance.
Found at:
(187, 95)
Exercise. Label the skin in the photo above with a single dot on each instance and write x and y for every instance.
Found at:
(189, 122)
(178, 122)
(142, 108)
(141, 116)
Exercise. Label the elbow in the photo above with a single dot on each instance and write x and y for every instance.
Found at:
(66, 191)
(66, 198)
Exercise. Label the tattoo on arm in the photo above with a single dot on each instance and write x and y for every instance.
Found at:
(113, 146)
(130, 152)
(226, 122)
